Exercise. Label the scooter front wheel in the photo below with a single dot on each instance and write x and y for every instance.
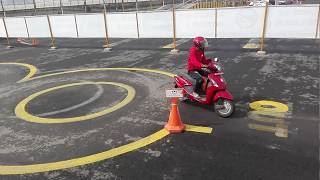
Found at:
(224, 107)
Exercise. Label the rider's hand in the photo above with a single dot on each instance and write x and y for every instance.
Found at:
(204, 66)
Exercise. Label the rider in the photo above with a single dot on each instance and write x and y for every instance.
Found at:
(196, 61)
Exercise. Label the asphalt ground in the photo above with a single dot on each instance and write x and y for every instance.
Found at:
(251, 144)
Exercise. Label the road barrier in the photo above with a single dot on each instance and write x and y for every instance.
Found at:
(245, 22)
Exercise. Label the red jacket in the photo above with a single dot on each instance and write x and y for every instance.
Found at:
(196, 59)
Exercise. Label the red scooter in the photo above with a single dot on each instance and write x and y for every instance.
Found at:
(213, 89)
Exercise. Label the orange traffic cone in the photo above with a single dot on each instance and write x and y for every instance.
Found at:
(174, 124)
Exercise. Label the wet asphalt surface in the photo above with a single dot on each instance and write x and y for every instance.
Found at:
(288, 73)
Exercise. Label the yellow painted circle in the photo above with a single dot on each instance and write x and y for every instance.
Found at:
(274, 106)
(21, 112)
(36, 168)
(32, 69)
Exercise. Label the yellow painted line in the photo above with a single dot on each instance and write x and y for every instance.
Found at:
(179, 42)
(36, 168)
(251, 46)
(168, 46)
(268, 117)
(275, 106)
(198, 129)
(262, 127)
(268, 113)
(106, 69)
(32, 69)
(281, 130)
(21, 112)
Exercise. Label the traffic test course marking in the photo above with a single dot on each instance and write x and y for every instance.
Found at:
(269, 112)
(252, 44)
(21, 113)
(178, 42)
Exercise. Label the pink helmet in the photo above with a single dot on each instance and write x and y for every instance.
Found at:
(200, 42)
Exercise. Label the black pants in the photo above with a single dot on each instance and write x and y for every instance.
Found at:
(196, 75)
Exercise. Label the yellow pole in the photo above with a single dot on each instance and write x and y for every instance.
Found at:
(106, 45)
(174, 50)
(318, 23)
(174, 26)
(53, 41)
(5, 27)
(265, 18)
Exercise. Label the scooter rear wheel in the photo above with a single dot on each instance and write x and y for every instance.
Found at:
(224, 108)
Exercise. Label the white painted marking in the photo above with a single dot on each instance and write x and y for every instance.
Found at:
(120, 42)
(178, 42)
(93, 98)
